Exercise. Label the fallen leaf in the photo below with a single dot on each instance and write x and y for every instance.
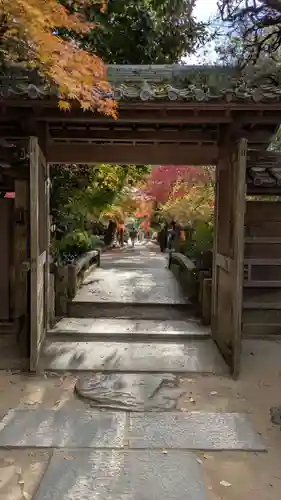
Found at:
(225, 484)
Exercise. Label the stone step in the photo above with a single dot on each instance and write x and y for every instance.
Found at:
(77, 309)
(75, 428)
(119, 474)
(79, 329)
(195, 356)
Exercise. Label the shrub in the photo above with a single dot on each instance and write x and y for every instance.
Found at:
(96, 242)
(203, 236)
(199, 242)
(73, 245)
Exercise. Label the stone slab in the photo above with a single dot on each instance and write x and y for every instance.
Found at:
(195, 356)
(91, 327)
(120, 475)
(42, 428)
(129, 391)
(61, 429)
(193, 431)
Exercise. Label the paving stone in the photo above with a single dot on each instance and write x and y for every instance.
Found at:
(138, 276)
(143, 286)
(119, 475)
(74, 428)
(193, 431)
(124, 327)
(43, 428)
(195, 356)
(129, 391)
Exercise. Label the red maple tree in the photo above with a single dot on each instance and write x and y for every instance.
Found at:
(165, 180)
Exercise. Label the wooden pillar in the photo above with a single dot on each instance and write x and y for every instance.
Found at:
(39, 250)
(43, 141)
(21, 259)
(228, 258)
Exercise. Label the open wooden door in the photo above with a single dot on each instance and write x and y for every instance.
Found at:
(39, 250)
(227, 296)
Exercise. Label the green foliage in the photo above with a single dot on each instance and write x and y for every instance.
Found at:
(75, 244)
(81, 191)
(79, 195)
(96, 242)
(143, 31)
(200, 241)
(203, 236)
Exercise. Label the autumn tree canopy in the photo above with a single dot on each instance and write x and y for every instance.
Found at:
(255, 26)
(167, 181)
(29, 36)
(176, 192)
(68, 41)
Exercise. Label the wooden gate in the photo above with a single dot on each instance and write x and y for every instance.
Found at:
(227, 301)
(39, 250)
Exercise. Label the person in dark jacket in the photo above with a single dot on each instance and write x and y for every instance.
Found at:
(133, 236)
(173, 235)
(163, 237)
(110, 233)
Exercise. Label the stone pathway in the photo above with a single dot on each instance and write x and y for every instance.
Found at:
(122, 302)
(131, 338)
(137, 276)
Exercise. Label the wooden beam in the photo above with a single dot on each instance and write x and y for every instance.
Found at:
(138, 154)
(44, 110)
(157, 135)
(137, 114)
(39, 104)
(91, 134)
(179, 116)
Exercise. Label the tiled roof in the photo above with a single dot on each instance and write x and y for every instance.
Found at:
(168, 83)
(264, 169)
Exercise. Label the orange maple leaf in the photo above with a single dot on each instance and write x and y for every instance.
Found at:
(33, 25)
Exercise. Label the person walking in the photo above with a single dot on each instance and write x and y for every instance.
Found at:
(121, 231)
(173, 235)
(133, 236)
(163, 237)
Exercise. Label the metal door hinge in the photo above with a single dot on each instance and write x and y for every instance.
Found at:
(26, 266)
